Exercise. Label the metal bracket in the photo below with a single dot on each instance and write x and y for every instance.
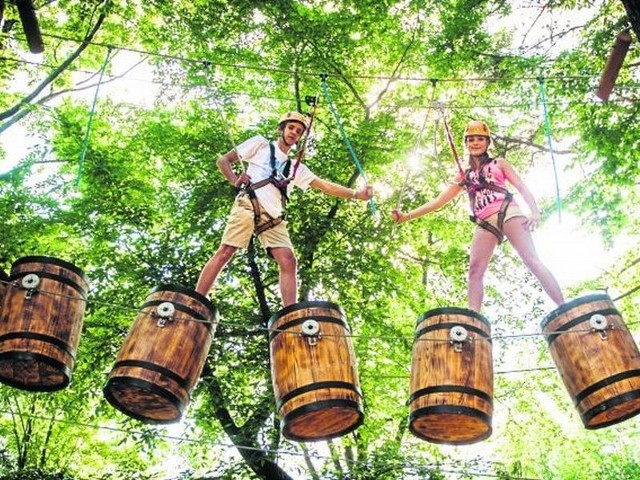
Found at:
(458, 335)
(165, 311)
(30, 282)
(311, 330)
(599, 323)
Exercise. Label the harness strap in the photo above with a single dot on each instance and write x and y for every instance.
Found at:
(281, 185)
(487, 226)
(508, 196)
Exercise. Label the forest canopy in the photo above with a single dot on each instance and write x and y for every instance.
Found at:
(109, 139)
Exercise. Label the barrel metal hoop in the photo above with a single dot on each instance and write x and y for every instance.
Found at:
(449, 410)
(304, 306)
(605, 382)
(576, 321)
(453, 311)
(449, 325)
(126, 381)
(154, 368)
(300, 321)
(63, 369)
(181, 308)
(171, 288)
(567, 307)
(51, 261)
(52, 276)
(321, 406)
(607, 405)
(451, 388)
(317, 386)
(56, 342)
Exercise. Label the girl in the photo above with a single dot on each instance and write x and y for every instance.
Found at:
(495, 212)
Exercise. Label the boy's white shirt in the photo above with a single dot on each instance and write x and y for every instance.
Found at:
(256, 153)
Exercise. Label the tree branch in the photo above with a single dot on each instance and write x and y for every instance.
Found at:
(22, 108)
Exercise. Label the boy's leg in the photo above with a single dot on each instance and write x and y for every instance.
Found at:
(288, 267)
(213, 267)
(236, 235)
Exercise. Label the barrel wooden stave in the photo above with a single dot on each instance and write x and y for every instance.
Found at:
(157, 368)
(39, 336)
(4, 279)
(602, 376)
(316, 386)
(451, 392)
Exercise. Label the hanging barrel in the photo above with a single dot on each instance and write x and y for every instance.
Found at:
(163, 355)
(40, 323)
(314, 372)
(597, 358)
(451, 386)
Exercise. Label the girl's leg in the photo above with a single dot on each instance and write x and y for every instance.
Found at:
(520, 237)
(482, 246)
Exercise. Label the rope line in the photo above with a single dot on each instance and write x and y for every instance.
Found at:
(407, 104)
(85, 142)
(345, 138)
(268, 453)
(561, 78)
(547, 127)
(255, 328)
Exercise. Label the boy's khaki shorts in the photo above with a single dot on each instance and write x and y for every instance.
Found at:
(240, 225)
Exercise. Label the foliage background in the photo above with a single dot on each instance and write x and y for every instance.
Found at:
(142, 204)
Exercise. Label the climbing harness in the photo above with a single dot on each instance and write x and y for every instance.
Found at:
(480, 184)
(547, 127)
(472, 189)
(85, 142)
(327, 95)
(279, 180)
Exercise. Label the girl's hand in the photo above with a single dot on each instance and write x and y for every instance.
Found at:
(532, 221)
(397, 216)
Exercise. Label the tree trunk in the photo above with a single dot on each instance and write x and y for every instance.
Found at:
(633, 11)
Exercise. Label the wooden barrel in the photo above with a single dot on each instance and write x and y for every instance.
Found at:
(451, 386)
(314, 372)
(162, 356)
(597, 358)
(41, 323)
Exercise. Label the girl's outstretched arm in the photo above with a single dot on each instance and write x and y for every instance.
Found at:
(440, 201)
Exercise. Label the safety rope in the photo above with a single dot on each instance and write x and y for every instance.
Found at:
(327, 95)
(85, 143)
(312, 101)
(547, 127)
(452, 144)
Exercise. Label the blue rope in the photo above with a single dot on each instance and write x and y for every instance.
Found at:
(325, 89)
(85, 143)
(547, 127)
